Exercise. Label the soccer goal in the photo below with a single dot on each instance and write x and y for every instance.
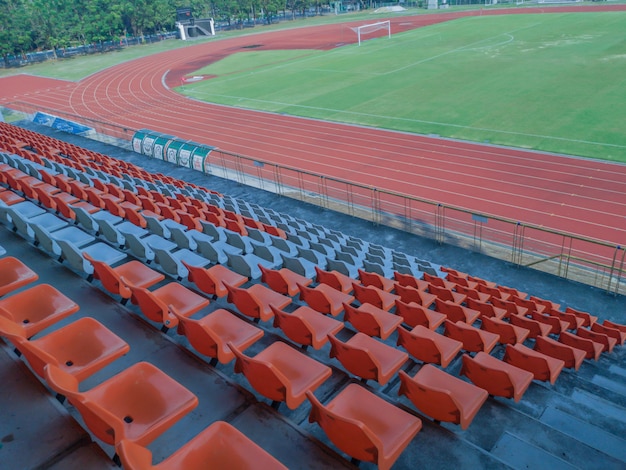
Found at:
(366, 30)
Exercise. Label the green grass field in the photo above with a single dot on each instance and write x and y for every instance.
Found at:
(555, 82)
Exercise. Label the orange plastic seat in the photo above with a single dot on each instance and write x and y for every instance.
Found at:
(37, 308)
(472, 294)
(365, 426)
(446, 294)
(429, 346)
(438, 281)
(219, 446)
(325, 299)
(571, 356)
(442, 396)
(607, 342)
(335, 279)
(533, 326)
(14, 274)
(486, 309)
(284, 280)
(556, 324)
(408, 280)
(81, 348)
(455, 312)
(616, 334)
(587, 318)
(462, 281)
(281, 373)
(306, 326)
(376, 280)
(513, 292)
(10, 198)
(139, 403)
(374, 296)
(367, 357)
(371, 320)
(473, 339)
(409, 294)
(508, 333)
(414, 314)
(511, 307)
(135, 272)
(211, 334)
(573, 322)
(497, 377)
(212, 280)
(255, 301)
(548, 304)
(528, 304)
(155, 304)
(542, 366)
(612, 324)
(592, 349)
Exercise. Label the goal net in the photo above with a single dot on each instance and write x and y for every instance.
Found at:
(368, 31)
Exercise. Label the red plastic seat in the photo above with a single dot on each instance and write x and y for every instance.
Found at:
(284, 280)
(212, 280)
(472, 294)
(135, 272)
(616, 334)
(461, 280)
(513, 292)
(497, 377)
(556, 324)
(572, 357)
(587, 318)
(367, 357)
(446, 294)
(281, 373)
(255, 301)
(14, 274)
(573, 322)
(374, 296)
(211, 334)
(219, 446)
(410, 294)
(325, 299)
(486, 309)
(139, 403)
(428, 346)
(542, 366)
(617, 326)
(408, 280)
(548, 304)
(473, 339)
(81, 348)
(438, 281)
(528, 304)
(511, 307)
(306, 326)
(37, 308)
(508, 333)
(155, 304)
(533, 326)
(376, 280)
(455, 312)
(442, 396)
(607, 342)
(414, 314)
(334, 279)
(592, 349)
(365, 426)
(371, 320)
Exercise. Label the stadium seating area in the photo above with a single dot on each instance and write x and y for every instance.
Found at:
(167, 321)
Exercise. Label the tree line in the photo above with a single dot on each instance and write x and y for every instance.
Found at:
(37, 25)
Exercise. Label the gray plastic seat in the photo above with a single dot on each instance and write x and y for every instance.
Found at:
(343, 267)
(300, 266)
(24, 226)
(48, 241)
(100, 251)
(248, 264)
(171, 263)
(116, 233)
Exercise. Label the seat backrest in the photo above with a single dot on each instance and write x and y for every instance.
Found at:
(419, 346)
(148, 303)
(363, 321)
(367, 294)
(496, 382)
(431, 399)
(108, 277)
(327, 277)
(201, 277)
(295, 328)
(263, 376)
(357, 361)
(244, 300)
(348, 434)
(370, 279)
(274, 279)
(315, 299)
(74, 257)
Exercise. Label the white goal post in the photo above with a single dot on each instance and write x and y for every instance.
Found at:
(363, 30)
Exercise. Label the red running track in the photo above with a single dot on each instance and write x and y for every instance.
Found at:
(573, 195)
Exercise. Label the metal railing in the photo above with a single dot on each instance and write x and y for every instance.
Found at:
(586, 260)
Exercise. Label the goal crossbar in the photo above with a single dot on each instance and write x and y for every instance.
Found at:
(366, 29)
